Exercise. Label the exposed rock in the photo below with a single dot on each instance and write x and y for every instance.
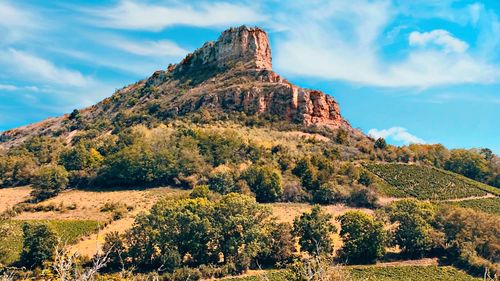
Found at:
(233, 73)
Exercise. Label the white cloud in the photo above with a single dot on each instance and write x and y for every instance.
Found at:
(395, 133)
(7, 87)
(33, 68)
(438, 37)
(128, 14)
(344, 43)
(16, 23)
(162, 48)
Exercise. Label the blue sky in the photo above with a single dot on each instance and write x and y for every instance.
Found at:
(410, 71)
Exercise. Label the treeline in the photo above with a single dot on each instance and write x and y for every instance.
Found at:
(187, 155)
(211, 235)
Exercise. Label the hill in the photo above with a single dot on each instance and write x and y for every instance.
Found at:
(232, 74)
(217, 165)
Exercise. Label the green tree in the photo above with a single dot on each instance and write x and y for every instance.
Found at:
(314, 230)
(380, 143)
(468, 163)
(414, 233)
(49, 180)
(38, 245)
(307, 173)
(81, 158)
(364, 238)
(193, 232)
(265, 182)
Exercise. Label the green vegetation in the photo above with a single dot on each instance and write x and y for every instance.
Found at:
(39, 243)
(375, 273)
(229, 234)
(314, 230)
(49, 181)
(414, 233)
(487, 205)
(364, 238)
(409, 273)
(68, 231)
(425, 182)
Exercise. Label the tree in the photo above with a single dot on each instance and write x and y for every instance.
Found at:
(414, 233)
(192, 232)
(39, 244)
(364, 238)
(81, 158)
(380, 143)
(265, 182)
(468, 163)
(49, 180)
(314, 230)
(75, 115)
(307, 173)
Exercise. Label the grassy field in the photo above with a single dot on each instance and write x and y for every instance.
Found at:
(409, 273)
(487, 205)
(389, 273)
(68, 230)
(425, 182)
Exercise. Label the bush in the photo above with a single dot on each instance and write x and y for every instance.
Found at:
(327, 194)
(265, 182)
(362, 197)
(222, 180)
(39, 244)
(314, 230)
(49, 180)
(472, 238)
(192, 232)
(364, 239)
(414, 233)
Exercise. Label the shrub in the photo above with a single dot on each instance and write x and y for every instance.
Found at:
(278, 245)
(49, 180)
(472, 237)
(362, 197)
(314, 230)
(38, 245)
(265, 182)
(414, 233)
(200, 191)
(229, 232)
(327, 194)
(222, 180)
(364, 239)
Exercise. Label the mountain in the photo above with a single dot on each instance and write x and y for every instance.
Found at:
(232, 74)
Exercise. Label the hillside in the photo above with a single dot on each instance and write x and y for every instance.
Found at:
(232, 74)
(217, 167)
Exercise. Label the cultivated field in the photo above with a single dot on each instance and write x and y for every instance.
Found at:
(426, 183)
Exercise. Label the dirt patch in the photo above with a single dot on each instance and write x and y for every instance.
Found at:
(87, 204)
(12, 196)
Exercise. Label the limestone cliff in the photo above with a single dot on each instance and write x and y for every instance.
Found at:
(233, 73)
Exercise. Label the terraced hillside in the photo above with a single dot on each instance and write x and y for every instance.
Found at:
(427, 183)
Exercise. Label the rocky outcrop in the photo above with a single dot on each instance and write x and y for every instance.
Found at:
(233, 73)
(247, 46)
(243, 55)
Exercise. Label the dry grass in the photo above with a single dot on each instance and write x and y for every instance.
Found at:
(11, 196)
(89, 203)
(287, 212)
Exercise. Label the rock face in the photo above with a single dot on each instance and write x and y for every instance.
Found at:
(233, 73)
(248, 46)
(243, 54)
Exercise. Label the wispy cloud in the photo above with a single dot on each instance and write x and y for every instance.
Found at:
(397, 134)
(128, 14)
(440, 38)
(8, 87)
(34, 68)
(343, 42)
(149, 48)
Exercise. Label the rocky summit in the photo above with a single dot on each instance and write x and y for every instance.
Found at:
(231, 74)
